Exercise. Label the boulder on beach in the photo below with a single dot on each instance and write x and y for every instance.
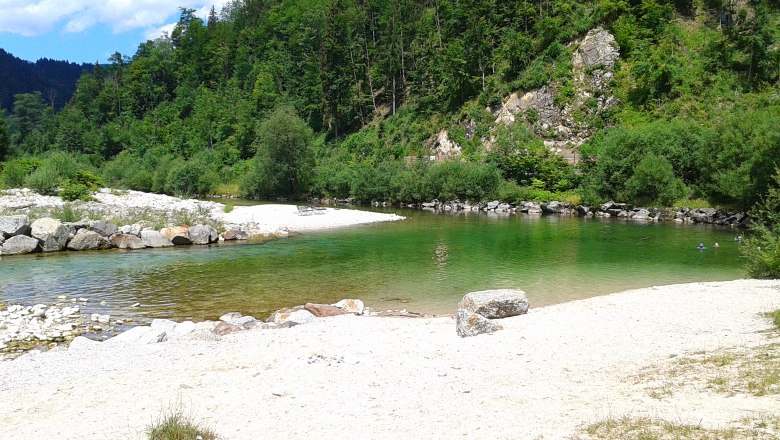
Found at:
(88, 241)
(19, 244)
(51, 233)
(324, 310)
(154, 239)
(14, 225)
(127, 241)
(179, 235)
(471, 324)
(291, 316)
(203, 234)
(498, 303)
(355, 306)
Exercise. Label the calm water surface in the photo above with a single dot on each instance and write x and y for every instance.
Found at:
(424, 264)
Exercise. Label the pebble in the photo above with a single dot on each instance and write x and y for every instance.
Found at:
(61, 297)
(136, 305)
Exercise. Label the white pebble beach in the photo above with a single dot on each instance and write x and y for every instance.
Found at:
(544, 376)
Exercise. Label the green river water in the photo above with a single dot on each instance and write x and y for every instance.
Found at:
(423, 264)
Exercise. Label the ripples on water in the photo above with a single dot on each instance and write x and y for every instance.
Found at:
(423, 264)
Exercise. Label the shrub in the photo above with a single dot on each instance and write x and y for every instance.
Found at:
(74, 191)
(762, 253)
(176, 426)
(654, 182)
(15, 171)
(190, 178)
(44, 180)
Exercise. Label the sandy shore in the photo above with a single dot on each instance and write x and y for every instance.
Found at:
(543, 376)
(271, 218)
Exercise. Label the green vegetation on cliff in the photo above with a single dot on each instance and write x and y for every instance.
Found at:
(345, 98)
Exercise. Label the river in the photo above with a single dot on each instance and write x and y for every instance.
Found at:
(423, 264)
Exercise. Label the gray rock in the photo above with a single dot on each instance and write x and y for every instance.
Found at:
(294, 316)
(154, 239)
(14, 225)
(493, 205)
(598, 49)
(19, 244)
(324, 310)
(88, 241)
(2, 240)
(235, 318)
(223, 328)
(203, 234)
(52, 234)
(103, 228)
(492, 304)
(127, 241)
(134, 229)
(139, 335)
(471, 324)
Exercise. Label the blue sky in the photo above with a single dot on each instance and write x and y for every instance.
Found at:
(86, 31)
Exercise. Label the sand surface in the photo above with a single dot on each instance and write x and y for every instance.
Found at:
(271, 218)
(352, 377)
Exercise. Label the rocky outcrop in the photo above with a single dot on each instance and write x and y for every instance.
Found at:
(14, 225)
(495, 304)
(88, 241)
(557, 114)
(19, 244)
(471, 324)
(51, 233)
(154, 239)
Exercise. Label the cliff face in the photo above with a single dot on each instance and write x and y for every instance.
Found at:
(561, 114)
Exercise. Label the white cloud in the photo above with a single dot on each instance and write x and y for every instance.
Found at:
(35, 17)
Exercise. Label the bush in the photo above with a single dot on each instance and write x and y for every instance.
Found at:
(762, 253)
(190, 178)
(654, 182)
(44, 180)
(75, 191)
(15, 171)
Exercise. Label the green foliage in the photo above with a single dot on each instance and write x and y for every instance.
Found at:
(654, 182)
(15, 171)
(762, 247)
(459, 180)
(523, 159)
(74, 191)
(190, 178)
(284, 159)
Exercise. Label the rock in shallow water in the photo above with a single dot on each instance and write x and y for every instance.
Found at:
(19, 244)
(154, 239)
(127, 241)
(88, 241)
(324, 310)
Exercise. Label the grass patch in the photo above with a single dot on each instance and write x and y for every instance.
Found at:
(227, 189)
(693, 203)
(774, 317)
(644, 428)
(176, 426)
(228, 208)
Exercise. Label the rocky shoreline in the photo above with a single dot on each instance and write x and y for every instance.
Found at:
(624, 211)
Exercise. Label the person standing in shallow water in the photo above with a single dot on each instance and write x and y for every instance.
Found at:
(701, 247)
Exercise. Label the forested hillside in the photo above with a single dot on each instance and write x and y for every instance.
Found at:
(54, 80)
(346, 98)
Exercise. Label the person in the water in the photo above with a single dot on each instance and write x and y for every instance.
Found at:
(701, 247)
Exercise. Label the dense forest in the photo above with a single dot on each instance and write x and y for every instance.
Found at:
(345, 98)
(55, 80)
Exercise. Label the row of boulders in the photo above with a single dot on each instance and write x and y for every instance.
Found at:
(19, 235)
(477, 311)
(161, 330)
(609, 209)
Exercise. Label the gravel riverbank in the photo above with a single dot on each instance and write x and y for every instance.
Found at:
(544, 376)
